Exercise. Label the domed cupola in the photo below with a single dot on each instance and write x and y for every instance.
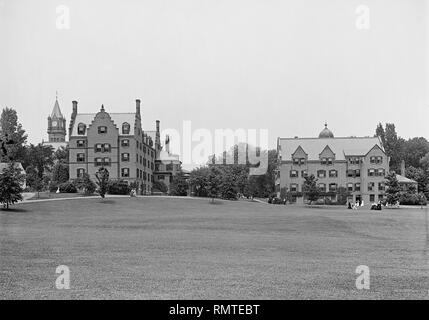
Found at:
(326, 133)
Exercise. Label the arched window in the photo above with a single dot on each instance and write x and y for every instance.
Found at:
(125, 128)
(81, 128)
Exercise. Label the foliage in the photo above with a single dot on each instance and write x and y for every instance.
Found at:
(393, 189)
(160, 186)
(40, 157)
(412, 199)
(10, 127)
(310, 189)
(213, 182)
(62, 155)
(199, 180)
(120, 187)
(33, 180)
(102, 176)
(86, 184)
(179, 186)
(60, 172)
(11, 180)
(68, 187)
(342, 195)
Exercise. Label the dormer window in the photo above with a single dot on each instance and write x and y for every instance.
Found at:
(126, 128)
(102, 129)
(81, 129)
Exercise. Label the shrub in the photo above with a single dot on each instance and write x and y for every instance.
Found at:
(412, 199)
(160, 186)
(68, 187)
(118, 187)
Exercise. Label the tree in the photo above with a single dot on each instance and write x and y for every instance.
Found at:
(228, 188)
(34, 181)
(421, 176)
(213, 182)
(62, 155)
(310, 189)
(179, 186)
(393, 189)
(160, 186)
(11, 180)
(86, 184)
(39, 156)
(12, 129)
(199, 180)
(424, 162)
(60, 173)
(102, 176)
(379, 132)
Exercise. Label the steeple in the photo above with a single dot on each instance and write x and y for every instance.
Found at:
(56, 123)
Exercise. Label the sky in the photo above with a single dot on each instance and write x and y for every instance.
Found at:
(282, 65)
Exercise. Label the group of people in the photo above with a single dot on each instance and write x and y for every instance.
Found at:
(355, 205)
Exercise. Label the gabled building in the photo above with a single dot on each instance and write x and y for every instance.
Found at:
(358, 164)
(115, 141)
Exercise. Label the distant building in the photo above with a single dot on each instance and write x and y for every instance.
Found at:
(167, 165)
(358, 164)
(115, 141)
(56, 128)
(405, 182)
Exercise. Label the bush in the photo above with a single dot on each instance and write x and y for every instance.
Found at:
(412, 199)
(118, 187)
(160, 186)
(67, 187)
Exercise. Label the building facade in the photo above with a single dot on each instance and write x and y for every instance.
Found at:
(115, 141)
(358, 164)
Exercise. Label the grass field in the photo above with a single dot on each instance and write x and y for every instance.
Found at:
(154, 248)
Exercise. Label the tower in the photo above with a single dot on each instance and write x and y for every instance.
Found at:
(56, 124)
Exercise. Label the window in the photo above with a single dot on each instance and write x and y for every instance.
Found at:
(380, 197)
(80, 172)
(152, 153)
(350, 173)
(106, 161)
(80, 157)
(294, 187)
(81, 129)
(323, 161)
(357, 186)
(357, 173)
(293, 173)
(144, 162)
(80, 143)
(322, 187)
(106, 147)
(321, 174)
(102, 129)
(371, 186)
(376, 160)
(169, 167)
(381, 186)
(330, 161)
(332, 187)
(125, 172)
(125, 128)
(350, 187)
(98, 147)
(125, 157)
(144, 149)
(125, 143)
(333, 173)
(371, 172)
(161, 177)
(98, 162)
(304, 173)
(381, 172)
(157, 167)
(151, 166)
(372, 197)
(354, 160)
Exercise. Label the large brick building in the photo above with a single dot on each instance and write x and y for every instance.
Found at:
(358, 164)
(115, 141)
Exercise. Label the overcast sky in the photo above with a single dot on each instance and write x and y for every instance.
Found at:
(283, 65)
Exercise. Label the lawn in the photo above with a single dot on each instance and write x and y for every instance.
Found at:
(155, 248)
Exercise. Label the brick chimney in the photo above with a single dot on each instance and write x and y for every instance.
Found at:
(167, 143)
(73, 116)
(138, 108)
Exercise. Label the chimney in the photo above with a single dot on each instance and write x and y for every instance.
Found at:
(167, 143)
(74, 107)
(157, 126)
(138, 107)
(403, 168)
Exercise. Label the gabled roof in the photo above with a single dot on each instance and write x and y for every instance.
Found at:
(56, 112)
(402, 179)
(341, 147)
(117, 118)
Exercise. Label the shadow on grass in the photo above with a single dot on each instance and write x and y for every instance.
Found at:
(11, 210)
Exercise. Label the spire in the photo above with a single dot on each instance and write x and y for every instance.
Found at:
(56, 112)
(102, 108)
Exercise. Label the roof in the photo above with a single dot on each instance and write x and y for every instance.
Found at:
(56, 112)
(55, 145)
(165, 156)
(402, 179)
(117, 118)
(341, 147)
(151, 134)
